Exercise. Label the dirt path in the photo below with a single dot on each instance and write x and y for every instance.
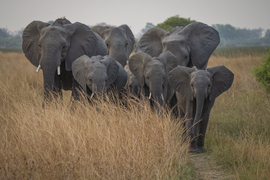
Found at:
(207, 169)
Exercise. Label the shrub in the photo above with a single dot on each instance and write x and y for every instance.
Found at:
(262, 72)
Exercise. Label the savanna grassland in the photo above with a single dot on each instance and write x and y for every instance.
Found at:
(105, 140)
(238, 134)
(109, 141)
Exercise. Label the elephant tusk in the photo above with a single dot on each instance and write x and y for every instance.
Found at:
(150, 96)
(38, 68)
(106, 97)
(58, 70)
(162, 97)
(92, 95)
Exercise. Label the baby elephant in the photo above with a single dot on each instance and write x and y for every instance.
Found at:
(196, 94)
(97, 75)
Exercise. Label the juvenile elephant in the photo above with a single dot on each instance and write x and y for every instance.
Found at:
(192, 45)
(132, 85)
(119, 40)
(196, 94)
(98, 74)
(152, 75)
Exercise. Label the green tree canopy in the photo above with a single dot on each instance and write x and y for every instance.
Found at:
(174, 21)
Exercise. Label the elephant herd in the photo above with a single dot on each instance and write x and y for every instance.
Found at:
(169, 68)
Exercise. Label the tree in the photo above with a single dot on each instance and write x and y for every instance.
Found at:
(4, 33)
(267, 33)
(147, 26)
(174, 21)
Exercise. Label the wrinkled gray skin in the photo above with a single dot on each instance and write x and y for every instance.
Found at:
(56, 45)
(119, 40)
(132, 85)
(152, 76)
(98, 74)
(192, 45)
(196, 94)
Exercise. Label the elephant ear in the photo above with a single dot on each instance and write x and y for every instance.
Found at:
(112, 69)
(136, 65)
(31, 35)
(179, 78)
(130, 38)
(83, 42)
(222, 79)
(79, 70)
(169, 60)
(151, 42)
(203, 40)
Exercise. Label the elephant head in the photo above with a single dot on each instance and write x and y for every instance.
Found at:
(192, 45)
(202, 87)
(132, 83)
(53, 48)
(95, 74)
(152, 75)
(119, 40)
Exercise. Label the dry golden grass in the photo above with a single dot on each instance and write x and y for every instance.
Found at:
(102, 141)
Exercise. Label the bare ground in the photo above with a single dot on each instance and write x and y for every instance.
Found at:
(207, 168)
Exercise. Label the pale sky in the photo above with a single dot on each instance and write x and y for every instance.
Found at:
(251, 14)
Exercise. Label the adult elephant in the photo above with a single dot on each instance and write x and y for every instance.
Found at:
(119, 40)
(98, 74)
(53, 48)
(196, 94)
(152, 76)
(192, 45)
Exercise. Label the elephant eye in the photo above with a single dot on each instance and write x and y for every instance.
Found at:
(147, 77)
(126, 44)
(185, 57)
(209, 85)
(64, 47)
(39, 45)
(107, 44)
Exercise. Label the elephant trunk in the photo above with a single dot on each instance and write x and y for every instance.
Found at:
(156, 92)
(99, 90)
(119, 55)
(200, 97)
(51, 79)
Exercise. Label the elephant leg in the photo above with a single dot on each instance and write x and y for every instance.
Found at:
(203, 126)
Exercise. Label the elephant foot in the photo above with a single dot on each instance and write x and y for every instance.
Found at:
(197, 150)
(201, 150)
(192, 150)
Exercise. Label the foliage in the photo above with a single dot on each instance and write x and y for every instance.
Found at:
(262, 72)
(232, 36)
(7, 40)
(267, 33)
(174, 21)
(147, 26)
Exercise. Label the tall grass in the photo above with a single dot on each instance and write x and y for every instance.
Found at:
(238, 135)
(105, 140)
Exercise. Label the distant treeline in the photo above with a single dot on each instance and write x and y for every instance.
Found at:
(10, 40)
(229, 35)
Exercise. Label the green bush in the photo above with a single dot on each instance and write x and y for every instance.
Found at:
(174, 21)
(262, 72)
